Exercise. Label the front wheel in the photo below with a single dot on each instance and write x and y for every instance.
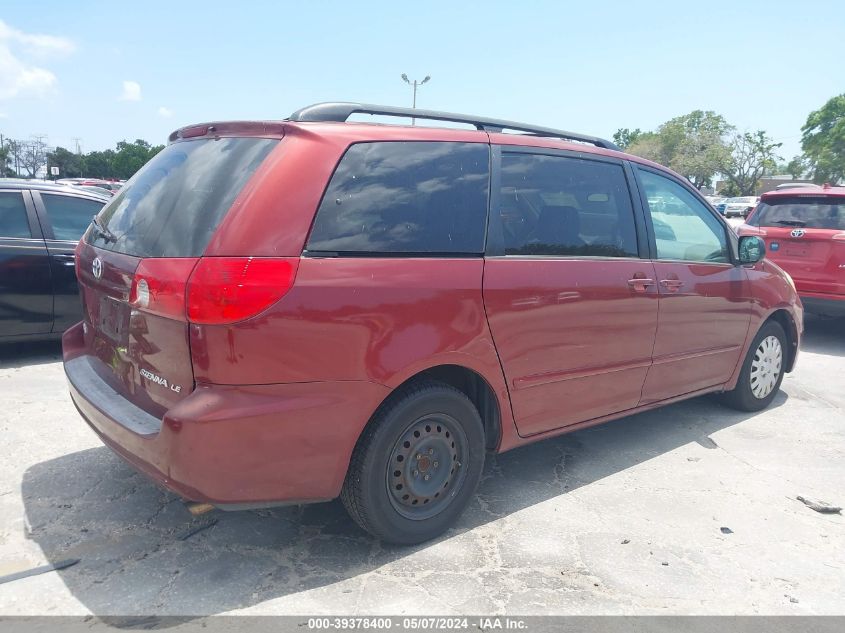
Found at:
(762, 371)
(417, 465)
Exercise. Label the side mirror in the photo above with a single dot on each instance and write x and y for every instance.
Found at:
(751, 249)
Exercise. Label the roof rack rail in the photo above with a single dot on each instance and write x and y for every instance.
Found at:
(340, 112)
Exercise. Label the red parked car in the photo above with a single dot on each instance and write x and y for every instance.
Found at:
(288, 312)
(804, 231)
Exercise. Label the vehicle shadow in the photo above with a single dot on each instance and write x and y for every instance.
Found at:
(23, 353)
(824, 336)
(136, 557)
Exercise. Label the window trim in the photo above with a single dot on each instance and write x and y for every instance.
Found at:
(44, 217)
(731, 239)
(495, 234)
(400, 254)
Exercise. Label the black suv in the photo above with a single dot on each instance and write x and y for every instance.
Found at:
(40, 224)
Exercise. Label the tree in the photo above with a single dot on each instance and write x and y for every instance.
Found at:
(693, 145)
(823, 141)
(130, 157)
(729, 190)
(797, 167)
(99, 164)
(33, 157)
(649, 145)
(29, 157)
(15, 149)
(70, 165)
(752, 156)
(624, 137)
(5, 157)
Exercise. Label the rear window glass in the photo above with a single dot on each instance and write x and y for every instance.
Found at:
(171, 207)
(811, 213)
(405, 197)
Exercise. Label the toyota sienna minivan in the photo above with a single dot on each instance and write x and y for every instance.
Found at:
(287, 312)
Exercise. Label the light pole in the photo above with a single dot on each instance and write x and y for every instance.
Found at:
(414, 83)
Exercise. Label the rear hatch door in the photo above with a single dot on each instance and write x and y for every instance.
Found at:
(805, 235)
(134, 262)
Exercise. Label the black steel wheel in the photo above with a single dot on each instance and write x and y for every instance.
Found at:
(417, 464)
(426, 459)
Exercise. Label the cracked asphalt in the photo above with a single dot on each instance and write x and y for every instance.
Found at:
(626, 518)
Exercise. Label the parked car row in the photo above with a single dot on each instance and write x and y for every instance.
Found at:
(715, 201)
(108, 187)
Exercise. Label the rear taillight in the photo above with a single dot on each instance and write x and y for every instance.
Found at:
(229, 289)
(211, 290)
(160, 284)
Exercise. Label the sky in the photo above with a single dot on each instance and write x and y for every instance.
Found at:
(103, 71)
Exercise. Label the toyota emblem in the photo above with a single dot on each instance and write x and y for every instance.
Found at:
(97, 267)
(797, 233)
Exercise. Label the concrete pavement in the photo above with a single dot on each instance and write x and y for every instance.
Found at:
(690, 509)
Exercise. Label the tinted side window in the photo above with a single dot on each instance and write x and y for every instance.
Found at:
(406, 197)
(69, 216)
(13, 221)
(553, 205)
(684, 228)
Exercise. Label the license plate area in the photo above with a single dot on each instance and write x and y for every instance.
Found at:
(796, 251)
(112, 321)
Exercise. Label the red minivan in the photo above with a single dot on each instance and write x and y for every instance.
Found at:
(804, 232)
(288, 312)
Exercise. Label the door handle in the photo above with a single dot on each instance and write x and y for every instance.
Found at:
(672, 285)
(66, 259)
(640, 284)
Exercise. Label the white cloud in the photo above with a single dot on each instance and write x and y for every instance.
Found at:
(19, 76)
(165, 113)
(36, 43)
(131, 91)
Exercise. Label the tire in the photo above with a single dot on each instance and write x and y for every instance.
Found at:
(417, 464)
(762, 371)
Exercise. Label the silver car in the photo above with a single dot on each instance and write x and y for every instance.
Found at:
(740, 206)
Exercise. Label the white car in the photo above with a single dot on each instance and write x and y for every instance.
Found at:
(797, 185)
(741, 206)
(715, 201)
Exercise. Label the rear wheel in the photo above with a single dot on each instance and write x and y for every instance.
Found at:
(417, 465)
(762, 371)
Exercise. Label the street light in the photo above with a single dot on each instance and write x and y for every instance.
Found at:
(414, 83)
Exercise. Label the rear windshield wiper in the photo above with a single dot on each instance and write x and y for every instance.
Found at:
(103, 230)
(791, 222)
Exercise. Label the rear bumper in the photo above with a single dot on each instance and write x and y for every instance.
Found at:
(829, 305)
(237, 446)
